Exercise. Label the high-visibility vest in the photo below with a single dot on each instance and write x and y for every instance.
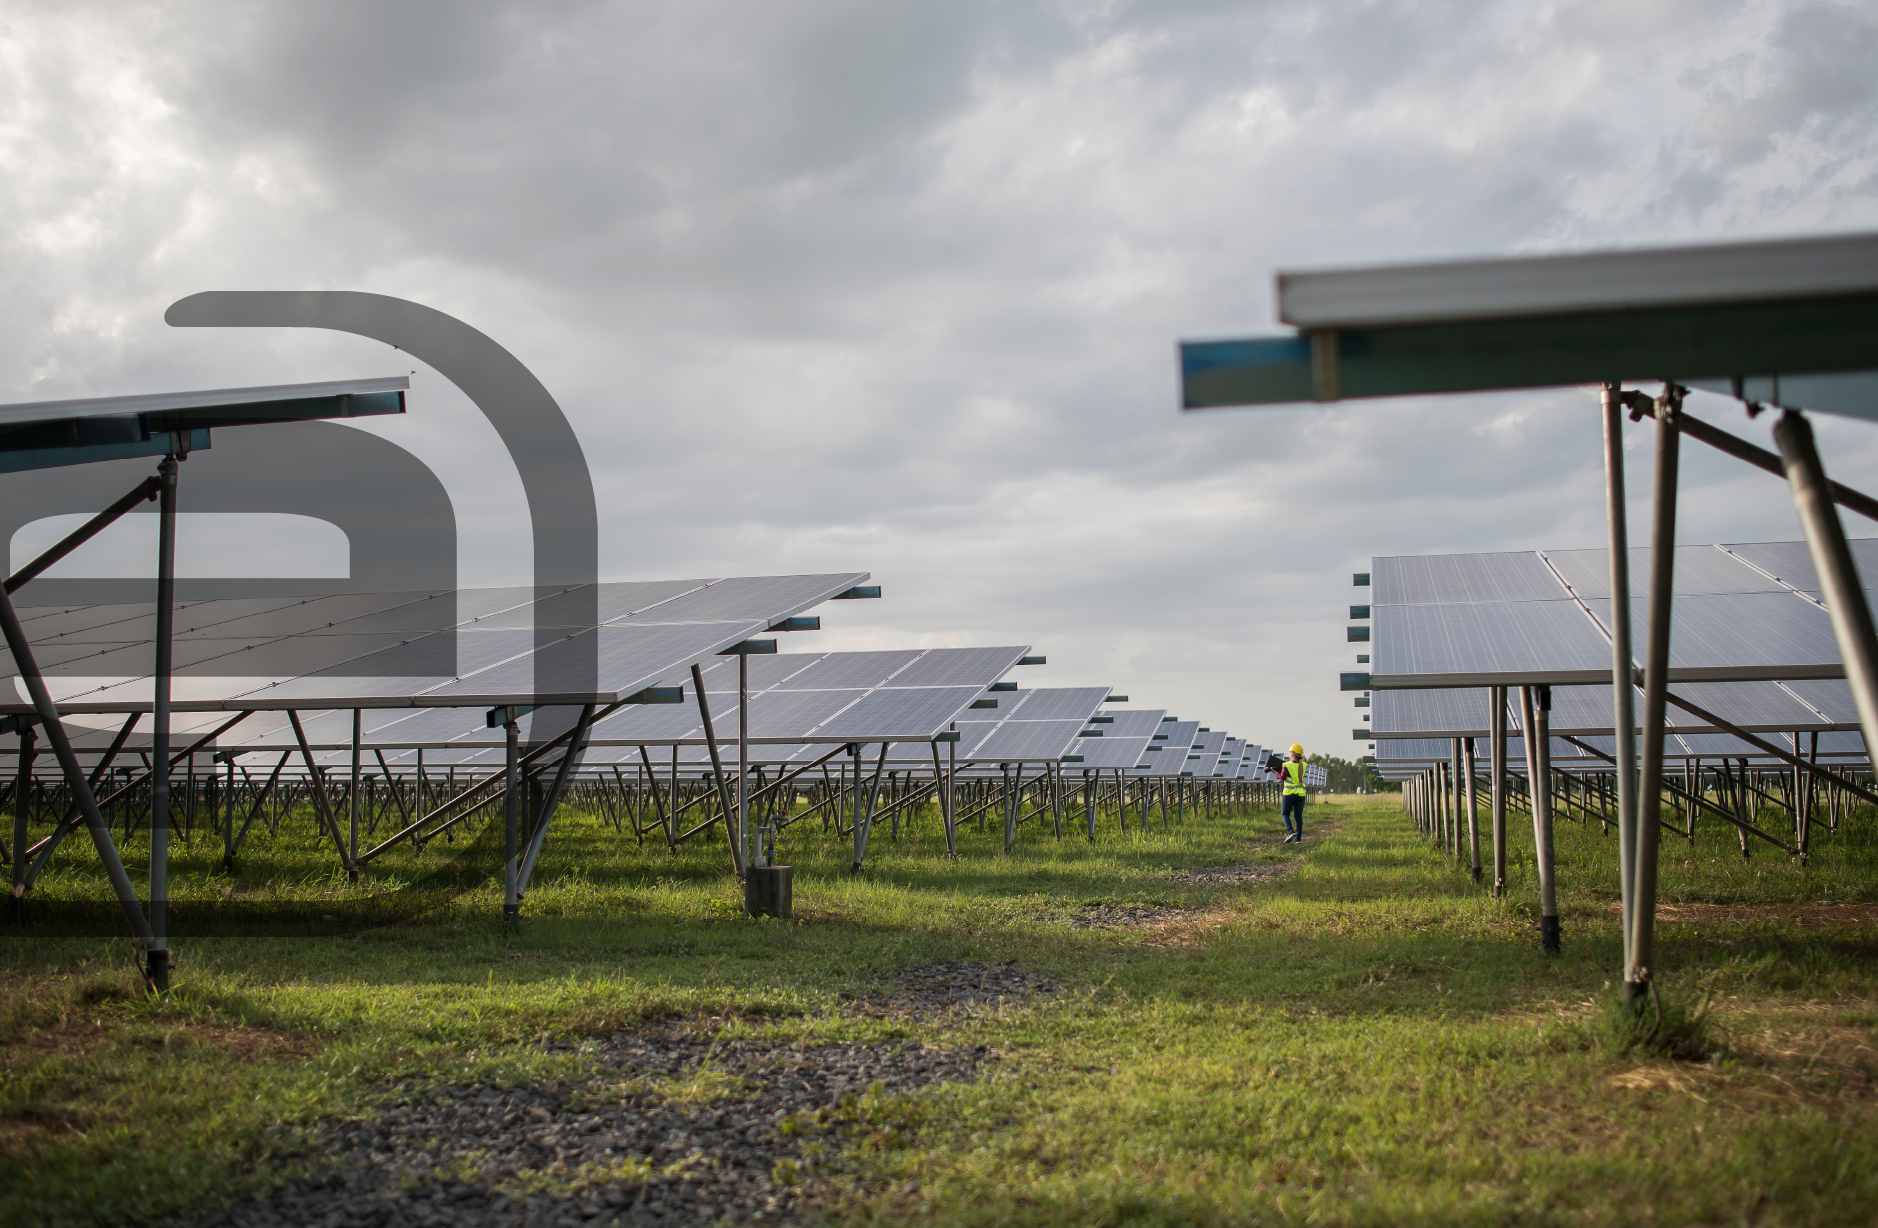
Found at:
(1294, 778)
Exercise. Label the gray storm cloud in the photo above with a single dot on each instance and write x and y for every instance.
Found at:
(896, 287)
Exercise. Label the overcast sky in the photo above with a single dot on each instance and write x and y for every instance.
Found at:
(896, 287)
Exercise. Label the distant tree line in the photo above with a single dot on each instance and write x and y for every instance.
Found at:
(1347, 776)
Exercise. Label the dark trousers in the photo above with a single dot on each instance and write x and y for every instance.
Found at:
(1293, 806)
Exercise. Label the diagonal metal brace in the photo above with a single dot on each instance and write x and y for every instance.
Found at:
(145, 491)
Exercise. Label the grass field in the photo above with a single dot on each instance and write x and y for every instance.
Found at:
(1362, 1037)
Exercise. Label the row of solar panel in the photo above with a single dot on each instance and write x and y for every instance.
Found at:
(1746, 611)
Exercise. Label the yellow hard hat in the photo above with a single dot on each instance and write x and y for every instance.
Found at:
(1297, 748)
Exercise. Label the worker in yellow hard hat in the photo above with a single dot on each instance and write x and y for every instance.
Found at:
(1292, 808)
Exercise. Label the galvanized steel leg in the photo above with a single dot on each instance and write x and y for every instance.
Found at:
(1473, 808)
(228, 819)
(1623, 663)
(322, 805)
(1010, 804)
(952, 814)
(1805, 842)
(1089, 786)
(743, 755)
(22, 802)
(352, 834)
(1455, 797)
(1536, 709)
(1497, 736)
(576, 746)
(717, 772)
(864, 818)
(1838, 575)
(157, 967)
(512, 787)
(652, 779)
(1640, 944)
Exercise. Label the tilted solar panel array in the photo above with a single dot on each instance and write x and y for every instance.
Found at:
(467, 648)
(1742, 612)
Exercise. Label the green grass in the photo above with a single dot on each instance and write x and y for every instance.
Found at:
(1371, 1040)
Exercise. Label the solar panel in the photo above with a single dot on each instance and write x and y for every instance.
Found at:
(957, 666)
(1699, 570)
(1050, 739)
(1455, 645)
(1109, 752)
(1062, 703)
(852, 669)
(1134, 722)
(765, 672)
(1448, 712)
(1831, 697)
(1792, 562)
(642, 597)
(1172, 759)
(786, 714)
(1582, 711)
(913, 712)
(380, 649)
(1742, 636)
(740, 597)
(1422, 579)
(1731, 621)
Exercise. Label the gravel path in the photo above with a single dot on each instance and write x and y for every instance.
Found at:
(611, 1149)
(1222, 876)
(1125, 916)
(954, 987)
(1121, 916)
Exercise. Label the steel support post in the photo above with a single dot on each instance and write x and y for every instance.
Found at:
(1010, 804)
(1121, 798)
(1459, 794)
(1496, 727)
(1838, 576)
(228, 820)
(1536, 715)
(743, 756)
(717, 772)
(1473, 807)
(1805, 841)
(652, 786)
(157, 966)
(1640, 940)
(22, 808)
(864, 815)
(512, 788)
(352, 835)
(860, 840)
(942, 788)
(1445, 807)
(952, 814)
(1623, 662)
(576, 747)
